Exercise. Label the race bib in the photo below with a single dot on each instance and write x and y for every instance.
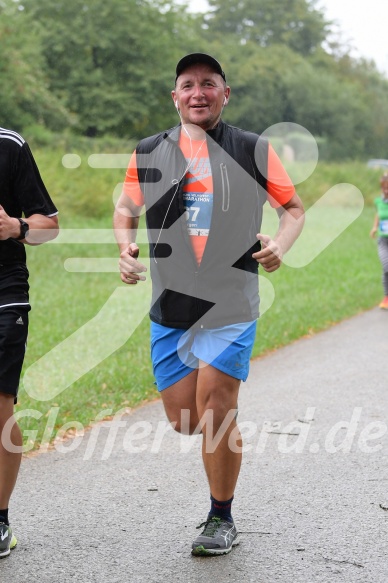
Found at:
(384, 226)
(199, 208)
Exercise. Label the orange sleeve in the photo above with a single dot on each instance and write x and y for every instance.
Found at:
(131, 185)
(279, 186)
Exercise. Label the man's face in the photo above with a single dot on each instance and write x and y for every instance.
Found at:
(200, 93)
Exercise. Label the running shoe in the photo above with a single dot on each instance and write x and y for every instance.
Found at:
(384, 303)
(7, 540)
(217, 538)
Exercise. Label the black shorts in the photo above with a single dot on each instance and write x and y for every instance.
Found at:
(13, 339)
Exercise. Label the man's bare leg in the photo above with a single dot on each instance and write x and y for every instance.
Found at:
(9, 460)
(10, 436)
(217, 395)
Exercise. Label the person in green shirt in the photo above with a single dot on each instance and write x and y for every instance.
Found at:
(380, 226)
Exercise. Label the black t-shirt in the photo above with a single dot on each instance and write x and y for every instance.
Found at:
(13, 285)
(22, 192)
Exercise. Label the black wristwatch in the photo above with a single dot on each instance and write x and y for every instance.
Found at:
(24, 228)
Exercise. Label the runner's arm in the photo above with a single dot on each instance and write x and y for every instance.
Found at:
(375, 226)
(125, 224)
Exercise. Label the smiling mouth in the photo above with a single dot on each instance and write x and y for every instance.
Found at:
(202, 106)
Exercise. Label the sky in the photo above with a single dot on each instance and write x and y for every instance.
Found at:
(364, 24)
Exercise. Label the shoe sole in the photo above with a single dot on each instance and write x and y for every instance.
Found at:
(201, 551)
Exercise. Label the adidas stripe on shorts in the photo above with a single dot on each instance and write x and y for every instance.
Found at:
(13, 339)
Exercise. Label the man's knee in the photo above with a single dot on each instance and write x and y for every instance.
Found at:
(219, 403)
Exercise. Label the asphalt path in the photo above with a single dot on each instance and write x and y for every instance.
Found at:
(122, 504)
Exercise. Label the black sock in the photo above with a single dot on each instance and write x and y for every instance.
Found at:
(4, 516)
(221, 509)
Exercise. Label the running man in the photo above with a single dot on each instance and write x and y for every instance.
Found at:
(203, 184)
(22, 193)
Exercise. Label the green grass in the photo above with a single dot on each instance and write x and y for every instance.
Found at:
(62, 303)
(343, 280)
(83, 191)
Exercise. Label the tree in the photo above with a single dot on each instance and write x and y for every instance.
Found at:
(25, 98)
(256, 75)
(112, 62)
(295, 23)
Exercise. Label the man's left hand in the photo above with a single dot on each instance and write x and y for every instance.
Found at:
(9, 226)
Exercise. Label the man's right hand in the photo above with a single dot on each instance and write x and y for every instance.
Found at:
(129, 266)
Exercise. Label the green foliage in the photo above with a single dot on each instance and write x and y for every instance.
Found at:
(25, 97)
(96, 68)
(275, 84)
(328, 107)
(256, 75)
(294, 23)
(83, 191)
(279, 72)
(112, 62)
(327, 175)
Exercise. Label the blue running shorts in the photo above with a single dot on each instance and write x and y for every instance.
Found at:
(175, 353)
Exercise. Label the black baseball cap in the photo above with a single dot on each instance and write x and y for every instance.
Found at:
(195, 58)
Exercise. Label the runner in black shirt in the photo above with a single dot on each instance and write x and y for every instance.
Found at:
(22, 193)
